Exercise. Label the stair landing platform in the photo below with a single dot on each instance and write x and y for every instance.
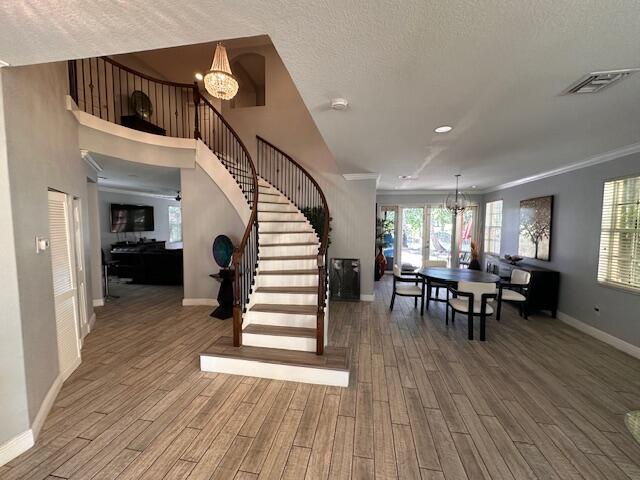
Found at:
(331, 368)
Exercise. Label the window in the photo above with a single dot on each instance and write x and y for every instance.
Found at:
(175, 224)
(493, 227)
(619, 263)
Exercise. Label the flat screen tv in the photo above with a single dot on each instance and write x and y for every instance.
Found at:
(131, 218)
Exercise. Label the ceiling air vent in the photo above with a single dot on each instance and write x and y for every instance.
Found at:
(596, 81)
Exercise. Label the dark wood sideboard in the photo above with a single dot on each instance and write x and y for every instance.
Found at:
(543, 287)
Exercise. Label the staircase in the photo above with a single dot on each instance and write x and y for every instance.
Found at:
(280, 325)
(284, 323)
(284, 306)
(279, 318)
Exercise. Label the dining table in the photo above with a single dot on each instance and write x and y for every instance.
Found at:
(449, 277)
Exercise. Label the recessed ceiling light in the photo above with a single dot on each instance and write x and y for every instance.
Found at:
(473, 186)
(3, 63)
(199, 76)
(443, 129)
(406, 177)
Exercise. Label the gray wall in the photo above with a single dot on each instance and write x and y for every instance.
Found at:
(575, 243)
(160, 216)
(14, 411)
(42, 151)
(206, 213)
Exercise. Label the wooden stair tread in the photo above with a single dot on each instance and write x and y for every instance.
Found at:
(284, 244)
(297, 232)
(310, 271)
(275, 211)
(334, 358)
(290, 309)
(268, 201)
(281, 221)
(280, 331)
(300, 290)
(291, 257)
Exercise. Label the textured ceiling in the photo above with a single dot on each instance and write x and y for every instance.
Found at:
(492, 69)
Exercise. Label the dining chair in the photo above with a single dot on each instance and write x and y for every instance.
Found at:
(408, 285)
(516, 290)
(472, 298)
(435, 284)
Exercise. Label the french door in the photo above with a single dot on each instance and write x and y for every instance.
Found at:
(65, 292)
(430, 233)
(412, 239)
(440, 234)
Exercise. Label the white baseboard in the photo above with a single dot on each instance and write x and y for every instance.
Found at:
(24, 441)
(16, 446)
(605, 337)
(367, 297)
(98, 302)
(191, 302)
(92, 321)
(47, 403)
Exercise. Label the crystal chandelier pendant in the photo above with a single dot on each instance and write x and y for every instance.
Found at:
(219, 81)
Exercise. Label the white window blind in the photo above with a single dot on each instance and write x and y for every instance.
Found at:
(619, 263)
(493, 227)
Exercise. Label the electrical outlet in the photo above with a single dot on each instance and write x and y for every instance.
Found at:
(596, 308)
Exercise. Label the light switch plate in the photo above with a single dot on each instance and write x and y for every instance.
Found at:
(42, 244)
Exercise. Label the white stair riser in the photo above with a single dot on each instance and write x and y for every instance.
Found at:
(286, 280)
(287, 237)
(278, 251)
(293, 373)
(285, 298)
(263, 216)
(284, 227)
(288, 264)
(301, 344)
(278, 207)
(280, 319)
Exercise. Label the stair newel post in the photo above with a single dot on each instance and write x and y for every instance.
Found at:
(196, 102)
(237, 308)
(321, 297)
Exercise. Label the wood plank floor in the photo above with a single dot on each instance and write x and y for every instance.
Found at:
(537, 400)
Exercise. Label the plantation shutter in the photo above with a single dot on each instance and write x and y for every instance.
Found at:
(619, 262)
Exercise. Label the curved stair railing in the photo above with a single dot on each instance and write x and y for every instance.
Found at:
(293, 180)
(105, 88)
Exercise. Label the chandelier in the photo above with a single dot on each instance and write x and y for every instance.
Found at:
(458, 202)
(219, 81)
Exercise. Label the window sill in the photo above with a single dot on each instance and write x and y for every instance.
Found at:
(622, 288)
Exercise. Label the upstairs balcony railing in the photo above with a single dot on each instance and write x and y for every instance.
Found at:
(109, 90)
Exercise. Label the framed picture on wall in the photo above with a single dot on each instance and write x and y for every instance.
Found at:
(535, 228)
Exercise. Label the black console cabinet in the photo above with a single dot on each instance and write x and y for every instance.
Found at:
(543, 287)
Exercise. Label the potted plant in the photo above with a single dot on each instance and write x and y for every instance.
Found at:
(384, 227)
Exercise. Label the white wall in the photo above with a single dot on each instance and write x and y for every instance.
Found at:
(42, 153)
(285, 121)
(160, 215)
(206, 213)
(14, 410)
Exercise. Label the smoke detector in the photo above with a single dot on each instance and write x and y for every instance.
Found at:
(596, 81)
(339, 103)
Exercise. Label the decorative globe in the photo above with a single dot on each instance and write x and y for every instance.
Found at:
(222, 251)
